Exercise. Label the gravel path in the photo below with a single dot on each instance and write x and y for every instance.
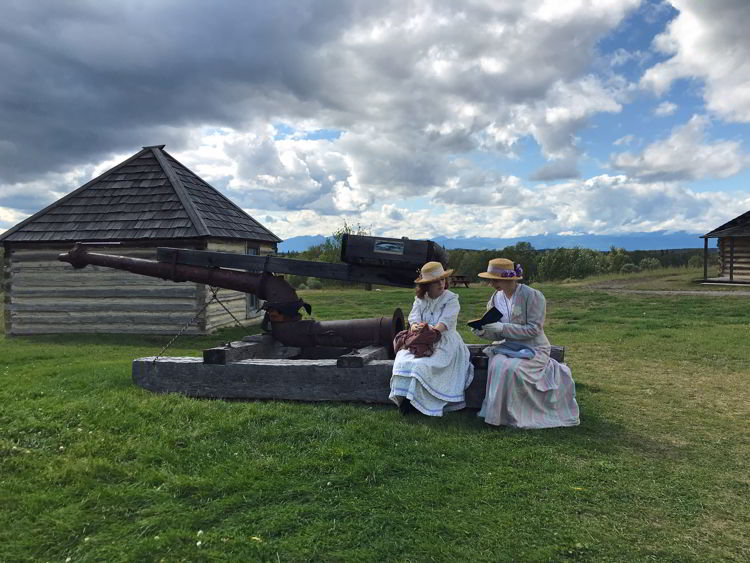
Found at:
(740, 293)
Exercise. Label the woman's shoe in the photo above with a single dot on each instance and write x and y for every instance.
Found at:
(406, 407)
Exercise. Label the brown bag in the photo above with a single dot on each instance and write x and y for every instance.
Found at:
(419, 342)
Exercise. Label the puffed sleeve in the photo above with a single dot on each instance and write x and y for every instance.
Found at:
(536, 310)
(416, 312)
(449, 314)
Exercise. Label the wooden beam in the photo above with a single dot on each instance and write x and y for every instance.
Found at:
(705, 259)
(731, 258)
(325, 270)
(358, 358)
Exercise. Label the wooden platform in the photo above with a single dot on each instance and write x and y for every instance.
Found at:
(260, 368)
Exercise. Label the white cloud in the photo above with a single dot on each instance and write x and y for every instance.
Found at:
(708, 41)
(600, 205)
(685, 155)
(665, 108)
(625, 140)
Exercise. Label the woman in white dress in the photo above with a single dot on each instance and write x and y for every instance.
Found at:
(525, 387)
(433, 384)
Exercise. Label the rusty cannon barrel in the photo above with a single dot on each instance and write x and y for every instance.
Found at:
(265, 285)
(282, 301)
(353, 333)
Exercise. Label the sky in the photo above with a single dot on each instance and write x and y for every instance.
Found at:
(419, 118)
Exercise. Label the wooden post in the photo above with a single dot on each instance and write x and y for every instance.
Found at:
(5, 287)
(731, 258)
(705, 259)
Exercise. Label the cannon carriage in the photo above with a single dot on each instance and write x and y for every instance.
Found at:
(294, 358)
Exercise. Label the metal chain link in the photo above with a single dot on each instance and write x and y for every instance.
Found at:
(214, 297)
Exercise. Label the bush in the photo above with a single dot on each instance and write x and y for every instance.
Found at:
(649, 264)
(301, 286)
(314, 283)
(629, 268)
(295, 281)
(574, 263)
(695, 262)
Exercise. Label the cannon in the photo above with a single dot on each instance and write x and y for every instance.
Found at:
(364, 259)
(294, 358)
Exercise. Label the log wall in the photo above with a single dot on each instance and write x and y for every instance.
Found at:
(44, 295)
(741, 270)
(236, 301)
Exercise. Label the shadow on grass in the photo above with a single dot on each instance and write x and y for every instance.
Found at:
(139, 340)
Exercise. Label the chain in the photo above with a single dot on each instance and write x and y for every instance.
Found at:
(214, 297)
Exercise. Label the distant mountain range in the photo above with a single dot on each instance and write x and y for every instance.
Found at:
(636, 241)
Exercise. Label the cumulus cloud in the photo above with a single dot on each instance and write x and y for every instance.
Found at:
(421, 94)
(665, 108)
(84, 81)
(685, 155)
(625, 140)
(708, 41)
(604, 204)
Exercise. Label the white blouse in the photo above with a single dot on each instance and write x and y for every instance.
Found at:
(504, 305)
(444, 310)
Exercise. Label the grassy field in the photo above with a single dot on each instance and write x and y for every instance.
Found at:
(93, 468)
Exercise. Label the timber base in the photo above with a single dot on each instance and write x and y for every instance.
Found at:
(261, 368)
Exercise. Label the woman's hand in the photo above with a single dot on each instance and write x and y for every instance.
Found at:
(417, 326)
(478, 332)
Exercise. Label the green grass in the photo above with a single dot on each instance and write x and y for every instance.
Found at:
(93, 468)
(662, 279)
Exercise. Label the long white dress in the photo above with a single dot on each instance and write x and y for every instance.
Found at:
(537, 392)
(434, 384)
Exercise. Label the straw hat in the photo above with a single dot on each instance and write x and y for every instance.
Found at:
(431, 272)
(502, 269)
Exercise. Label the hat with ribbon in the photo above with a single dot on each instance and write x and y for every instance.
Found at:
(502, 269)
(431, 272)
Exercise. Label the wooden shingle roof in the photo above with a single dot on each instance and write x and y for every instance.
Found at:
(148, 196)
(737, 227)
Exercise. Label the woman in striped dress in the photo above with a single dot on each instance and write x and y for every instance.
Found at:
(525, 387)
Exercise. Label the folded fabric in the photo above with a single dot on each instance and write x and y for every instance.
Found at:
(493, 315)
(419, 342)
(513, 350)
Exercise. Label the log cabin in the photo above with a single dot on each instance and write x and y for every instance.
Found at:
(734, 251)
(148, 200)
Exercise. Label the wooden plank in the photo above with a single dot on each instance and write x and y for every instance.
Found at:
(358, 358)
(344, 272)
(104, 308)
(256, 346)
(63, 292)
(302, 380)
(99, 329)
(226, 246)
(232, 352)
(176, 320)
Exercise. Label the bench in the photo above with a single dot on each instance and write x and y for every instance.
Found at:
(456, 280)
(475, 391)
(259, 367)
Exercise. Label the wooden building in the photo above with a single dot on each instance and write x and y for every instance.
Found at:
(734, 251)
(148, 200)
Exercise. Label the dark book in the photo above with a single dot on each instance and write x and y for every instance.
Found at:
(491, 316)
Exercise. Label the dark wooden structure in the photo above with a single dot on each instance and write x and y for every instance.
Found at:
(734, 251)
(260, 367)
(146, 201)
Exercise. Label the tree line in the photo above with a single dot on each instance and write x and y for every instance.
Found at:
(538, 265)
(575, 263)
